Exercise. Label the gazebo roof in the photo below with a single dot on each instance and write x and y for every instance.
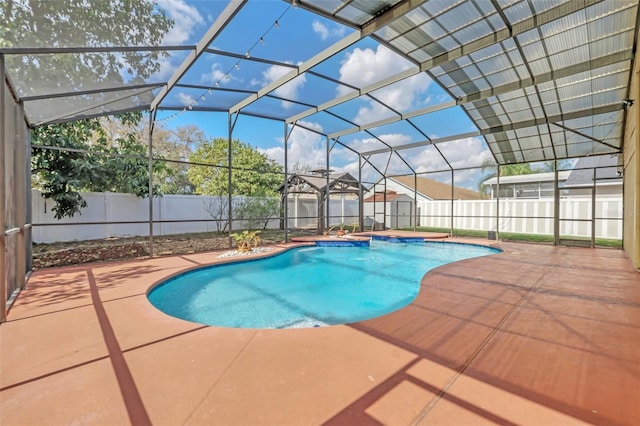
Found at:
(340, 183)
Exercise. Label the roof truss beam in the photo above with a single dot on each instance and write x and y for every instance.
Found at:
(555, 13)
(523, 26)
(67, 119)
(218, 25)
(320, 57)
(498, 129)
(356, 93)
(596, 63)
(591, 138)
(366, 30)
(499, 90)
(90, 92)
(73, 115)
(249, 59)
(389, 16)
(88, 49)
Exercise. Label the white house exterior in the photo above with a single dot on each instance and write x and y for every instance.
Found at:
(537, 185)
(576, 183)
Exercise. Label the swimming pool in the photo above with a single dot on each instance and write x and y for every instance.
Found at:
(307, 287)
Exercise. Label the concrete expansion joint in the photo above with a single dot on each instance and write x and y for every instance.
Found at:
(215, 382)
(425, 410)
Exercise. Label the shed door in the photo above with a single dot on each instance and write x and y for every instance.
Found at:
(404, 214)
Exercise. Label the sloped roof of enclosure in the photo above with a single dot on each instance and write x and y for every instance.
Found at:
(536, 80)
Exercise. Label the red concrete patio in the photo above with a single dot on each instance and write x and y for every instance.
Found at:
(536, 335)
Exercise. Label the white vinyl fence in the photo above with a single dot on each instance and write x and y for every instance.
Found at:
(526, 216)
(519, 216)
(192, 210)
(182, 213)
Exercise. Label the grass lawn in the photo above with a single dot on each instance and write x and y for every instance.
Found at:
(511, 236)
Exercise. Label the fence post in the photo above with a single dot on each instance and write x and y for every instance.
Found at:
(108, 232)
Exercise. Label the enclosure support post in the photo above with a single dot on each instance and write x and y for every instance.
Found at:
(384, 205)
(19, 189)
(498, 202)
(152, 115)
(3, 270)
(327, 201)
(285, 192)
(415, 201)
(452, 202)
(232, 123)
(27, 180)
(229, 189)
(556, 205)
(593, 209)
(360, 202)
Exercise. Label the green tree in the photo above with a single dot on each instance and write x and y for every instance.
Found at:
(490, 170)
(60, 174)
(90, 23)
(93, 24)
(168, 144)
(253, 173)
(176, 144)
(550, 166)
(258, 211)
(88, 161)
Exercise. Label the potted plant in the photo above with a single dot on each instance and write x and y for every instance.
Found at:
(246, 240)
(340, 232)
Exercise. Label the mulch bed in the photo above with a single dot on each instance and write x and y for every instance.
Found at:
(110, 249)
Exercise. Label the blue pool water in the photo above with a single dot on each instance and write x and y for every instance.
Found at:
(308, 287)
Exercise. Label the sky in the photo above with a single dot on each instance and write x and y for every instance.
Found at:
(272, 29)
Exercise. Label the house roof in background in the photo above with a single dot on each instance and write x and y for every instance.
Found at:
(606, 171)
(379, 197)
(437, 190)
(563, 175)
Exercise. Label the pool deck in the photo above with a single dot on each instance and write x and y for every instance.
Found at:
(537, 335)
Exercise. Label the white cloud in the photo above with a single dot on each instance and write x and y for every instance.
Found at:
(369, 144)
(362, 67)
(216, 75)
(469, 152)
(381, 161)
(167, 68)
(290, 89)
(324, 32)
(305, 147)
(274, 72)
(374, 111)
(370, 175)
(320, 29)
(185, 19)
(185, 99)
(365, 66)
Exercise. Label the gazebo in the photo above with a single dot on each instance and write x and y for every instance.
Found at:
(322, 184)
